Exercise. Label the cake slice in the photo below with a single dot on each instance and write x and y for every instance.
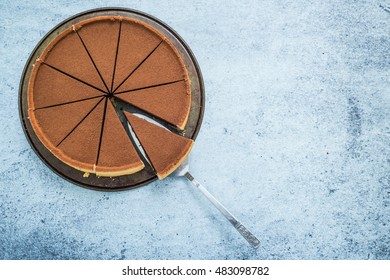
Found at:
(162, 66)
(136, 42)
(165, 150)
(52, 88)
(169, 102)
(80, 148)
(54, 123)
(67, 54)
(117, 155)
(100, 36)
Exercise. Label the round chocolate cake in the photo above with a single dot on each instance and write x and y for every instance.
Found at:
(83, 74)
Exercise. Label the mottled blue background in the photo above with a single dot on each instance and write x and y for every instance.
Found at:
(295, 140)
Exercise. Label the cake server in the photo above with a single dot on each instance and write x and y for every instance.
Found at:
(184, 171)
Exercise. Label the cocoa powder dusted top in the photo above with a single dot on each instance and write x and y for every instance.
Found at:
(77, 79)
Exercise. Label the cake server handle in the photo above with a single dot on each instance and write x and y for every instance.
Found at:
(252, 240)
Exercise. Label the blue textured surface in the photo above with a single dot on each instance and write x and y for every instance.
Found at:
(295, 140)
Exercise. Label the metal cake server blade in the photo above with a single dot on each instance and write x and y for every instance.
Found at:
(184, 171)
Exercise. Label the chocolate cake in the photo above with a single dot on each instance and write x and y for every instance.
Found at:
(116, 149)
(165, 150)
(161, 107)
(79, 75)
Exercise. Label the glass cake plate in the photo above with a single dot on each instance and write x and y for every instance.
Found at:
(146, 175)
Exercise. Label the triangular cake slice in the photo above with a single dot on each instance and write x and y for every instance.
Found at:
(165, 150)
(80, 148)
(70, 56)
(169, 102)
(136, 42)
(54, 123)
(163, 66)
(50, 87)
(117, 155)
(100, 36)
